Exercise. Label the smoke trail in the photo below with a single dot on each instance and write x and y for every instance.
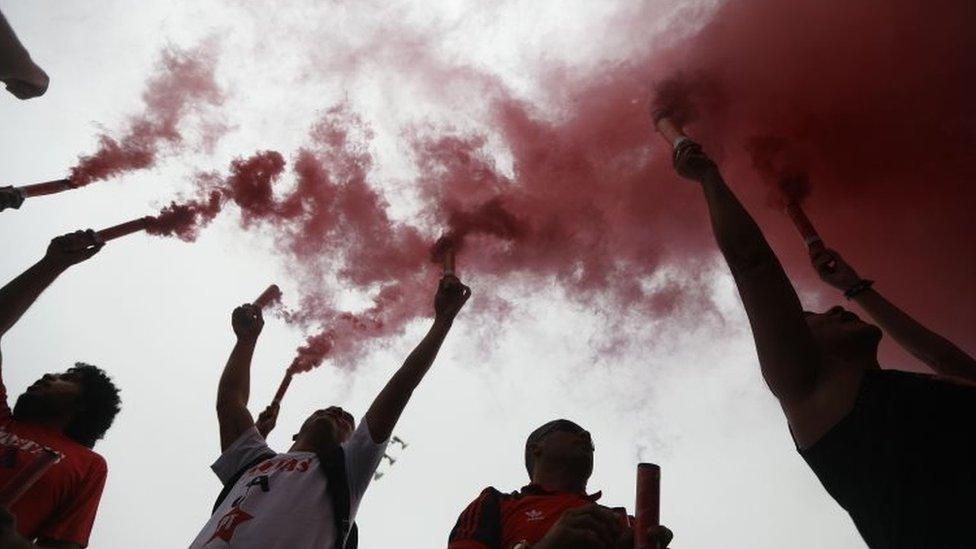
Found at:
(249, 182)
(185, 219)
(183, 84)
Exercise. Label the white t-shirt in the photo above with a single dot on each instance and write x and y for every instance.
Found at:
(282, 502)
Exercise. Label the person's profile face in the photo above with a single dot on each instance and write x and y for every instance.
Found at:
(63, 387)
(573, 447)
(52, 395)
(839, 331)
(332, 422)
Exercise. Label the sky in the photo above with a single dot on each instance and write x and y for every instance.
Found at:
(683, 391)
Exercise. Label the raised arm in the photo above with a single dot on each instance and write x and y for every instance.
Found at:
(235, 383)
(389, 404)
(937, 352)
(788, 354)
(18, 71)
(63, 252)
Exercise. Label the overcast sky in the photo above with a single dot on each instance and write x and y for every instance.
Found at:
(155, 312)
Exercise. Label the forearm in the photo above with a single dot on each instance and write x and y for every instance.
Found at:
(389, 404)
(235, 382)
(736, 232)
(13, 55)
(788, 355)
(931, 348)
(20, 293)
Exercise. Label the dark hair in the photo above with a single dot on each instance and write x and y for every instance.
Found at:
(541, 432)
(98, 405)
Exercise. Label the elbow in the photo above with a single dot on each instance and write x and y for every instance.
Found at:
(794, 384)
(746, 252)
(747, 260)
(228, 402)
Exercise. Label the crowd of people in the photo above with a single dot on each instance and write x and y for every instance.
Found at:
(893, 448)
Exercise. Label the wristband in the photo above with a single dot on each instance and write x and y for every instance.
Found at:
(861, 286)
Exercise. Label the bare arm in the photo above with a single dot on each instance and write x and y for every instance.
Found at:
(234, 389)
(18, 71)
(788, 355)
(63, 252)
(389, 404)
(937, 352)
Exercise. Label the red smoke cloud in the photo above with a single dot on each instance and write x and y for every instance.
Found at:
(863, 104)
(867, 107)
(182, 84)
(334, 224)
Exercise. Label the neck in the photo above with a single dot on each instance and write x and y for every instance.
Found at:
(36, 411)
(860, 362)
(54, 423)
(302, 445)
(559, 479)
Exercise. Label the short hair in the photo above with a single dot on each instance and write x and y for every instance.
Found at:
(541, 432)
(98, 405)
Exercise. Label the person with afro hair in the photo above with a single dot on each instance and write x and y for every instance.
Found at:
(65, 412)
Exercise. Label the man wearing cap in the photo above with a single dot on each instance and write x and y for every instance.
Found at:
(553, 510)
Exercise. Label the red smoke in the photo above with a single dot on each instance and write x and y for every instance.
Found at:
(184, 220)
(249, 181)
(333, 224)
(863, 105)
(869, 105)
(182, 84)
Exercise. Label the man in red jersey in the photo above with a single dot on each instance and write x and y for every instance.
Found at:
(553, 511)
(66, 412)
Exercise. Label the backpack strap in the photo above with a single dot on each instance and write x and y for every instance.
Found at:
(236, 477)
(333, 464)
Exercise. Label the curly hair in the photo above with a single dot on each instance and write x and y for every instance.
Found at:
(99, 404)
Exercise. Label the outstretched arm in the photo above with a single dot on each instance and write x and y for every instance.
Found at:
(235, 383)
(931, 348)
(788, 354)
(389, 404)
(63, 252)
(18, 71)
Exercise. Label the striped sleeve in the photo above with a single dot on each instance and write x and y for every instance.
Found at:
(479, 526)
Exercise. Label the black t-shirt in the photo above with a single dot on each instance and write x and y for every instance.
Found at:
(903, 462)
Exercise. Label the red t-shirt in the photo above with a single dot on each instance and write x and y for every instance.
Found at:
(499, 521)
(61, 505)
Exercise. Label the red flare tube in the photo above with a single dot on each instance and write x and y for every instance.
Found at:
(48, 187)
(647, 511)
(280, 393)
(267, 297)
(449, 263)
(27, 476)
(123, 229)
(806, 229)
(669, 130)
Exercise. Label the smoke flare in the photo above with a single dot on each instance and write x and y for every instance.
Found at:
(183, 84)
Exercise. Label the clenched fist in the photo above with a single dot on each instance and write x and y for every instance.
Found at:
(72, 248)
(247, 322)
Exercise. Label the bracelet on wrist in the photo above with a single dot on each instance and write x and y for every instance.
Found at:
(860, 287)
